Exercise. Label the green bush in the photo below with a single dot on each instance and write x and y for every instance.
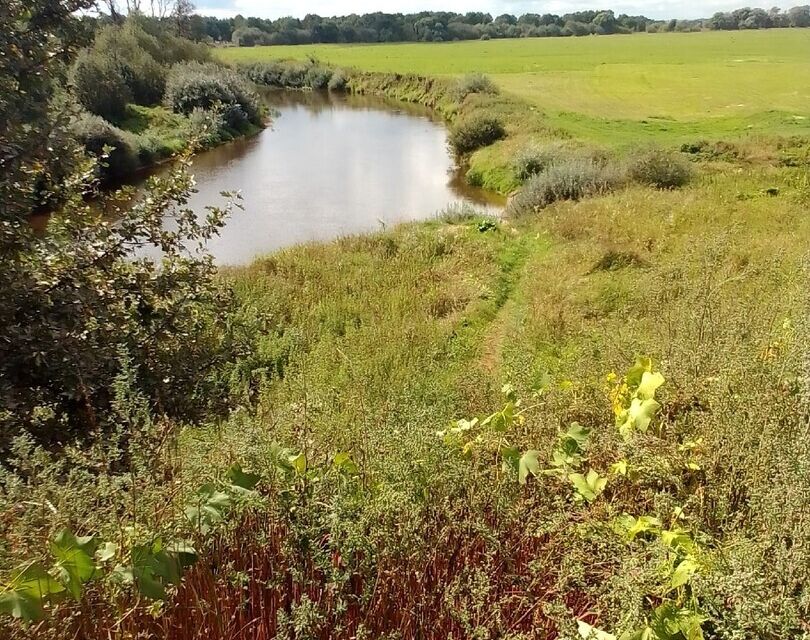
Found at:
(475, 132)
(130, 51)
(533, 160)
(318, 77)
(295, 75)
(99, 87)
(338, 81)
(95, 134)
(474, 83)
(209, 87)
(660, 169)
(570, 180)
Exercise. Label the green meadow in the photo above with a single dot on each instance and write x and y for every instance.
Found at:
(672, 86)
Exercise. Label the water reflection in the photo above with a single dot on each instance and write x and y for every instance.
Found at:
(330, 166)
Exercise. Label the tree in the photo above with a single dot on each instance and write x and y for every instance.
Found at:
(77, 305)
(799, 16)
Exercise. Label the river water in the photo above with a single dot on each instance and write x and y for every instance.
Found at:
(330, 166)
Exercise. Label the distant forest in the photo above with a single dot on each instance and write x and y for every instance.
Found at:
(445, 26)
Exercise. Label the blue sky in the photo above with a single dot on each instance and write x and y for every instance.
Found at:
(299, 8)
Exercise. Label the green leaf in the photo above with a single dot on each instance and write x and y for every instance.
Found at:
(588, 487)
(209, 509)
(650, 383)
(528, 464)
(107, 552)
(619, 468)
(588, 632)
(24, 596)
(299, 463)
(578, 433)
(632, 527)
(242, 480)
(74, 560)
(637, 417)
(509, 391)
(344, 463)
(678, 540)
(637, 371)
(683, 573)
(185, 553)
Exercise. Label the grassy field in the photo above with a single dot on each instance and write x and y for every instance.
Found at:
(381, 509)
(655, 86)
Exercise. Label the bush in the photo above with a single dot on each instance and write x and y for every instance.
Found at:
(533, 160)
(474, 83)
(99, 87)
(473, 133)
(660, 169)
(339, 81)
(570, 180)
(94, 134)
(131, 51)
(318, 77)
(208, 87)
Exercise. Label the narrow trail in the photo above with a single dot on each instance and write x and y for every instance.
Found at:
(510, 311)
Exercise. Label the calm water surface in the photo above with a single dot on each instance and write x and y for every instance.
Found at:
(330, 166)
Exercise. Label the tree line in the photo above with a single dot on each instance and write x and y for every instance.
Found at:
(448, 26)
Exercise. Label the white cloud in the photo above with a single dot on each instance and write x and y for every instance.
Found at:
(299, 8)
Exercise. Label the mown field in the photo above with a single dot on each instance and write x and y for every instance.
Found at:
(616, 90)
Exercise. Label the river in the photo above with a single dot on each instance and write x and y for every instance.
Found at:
(330, 166)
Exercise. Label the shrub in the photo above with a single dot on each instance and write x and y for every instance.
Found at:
(339, 81)
(570, 180)
(270, 74)
(533, 160)
(99, 87)
(94, 134)
(318, 77)
(474, 83)
(473, 133)
(131, 51)
(660, 169)
(206, 86)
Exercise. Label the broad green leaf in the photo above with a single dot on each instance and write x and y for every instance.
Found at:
(578, 433)
(641, 634)
(678, 540)
(209, 509)
(633, 527)
(619, 468)
(185, 553)
(344, 463)
(28, 589)
(529, 464)
(650, 383)
(588, 486)
(509, 391)
(637, 417)
(241, 480)
(74, 560)
(637, 371)
(589, 632)
(22, 606)
(299, 463)
(683, 573)
(107, 552)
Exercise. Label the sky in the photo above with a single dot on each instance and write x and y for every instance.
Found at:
(299, 8)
